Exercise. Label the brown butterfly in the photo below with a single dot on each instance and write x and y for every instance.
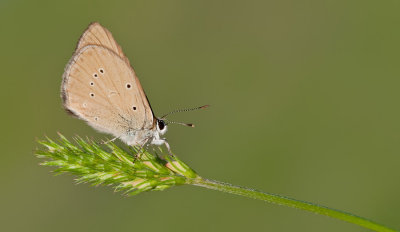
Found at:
(100, 86)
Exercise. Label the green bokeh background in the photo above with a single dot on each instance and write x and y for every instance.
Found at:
(305, 103)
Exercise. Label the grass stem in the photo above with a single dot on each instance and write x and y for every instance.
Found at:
(280, 200)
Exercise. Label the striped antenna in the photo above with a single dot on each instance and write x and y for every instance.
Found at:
(183, 110)
(180, 123)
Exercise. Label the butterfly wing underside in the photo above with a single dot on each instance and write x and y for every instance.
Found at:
(100, 87)
(96, 34)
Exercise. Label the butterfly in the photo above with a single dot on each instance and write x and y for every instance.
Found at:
(100, 86)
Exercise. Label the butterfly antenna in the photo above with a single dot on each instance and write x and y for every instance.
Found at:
(180, 123)
(184, 110)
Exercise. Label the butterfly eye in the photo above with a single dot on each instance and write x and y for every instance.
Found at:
(161, 124)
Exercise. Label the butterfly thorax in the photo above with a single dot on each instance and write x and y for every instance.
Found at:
(144, 136)
(138, 137)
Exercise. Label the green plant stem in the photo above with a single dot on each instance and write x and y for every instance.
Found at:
(280, 200)
(115, 166)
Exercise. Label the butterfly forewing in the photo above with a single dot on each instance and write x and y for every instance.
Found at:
(100, 87)
(96, 34)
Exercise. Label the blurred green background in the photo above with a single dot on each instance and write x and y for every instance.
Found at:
(305, 103)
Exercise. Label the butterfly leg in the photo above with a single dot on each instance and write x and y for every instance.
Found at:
(141, 151)
(161, 141)
(168, 147)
